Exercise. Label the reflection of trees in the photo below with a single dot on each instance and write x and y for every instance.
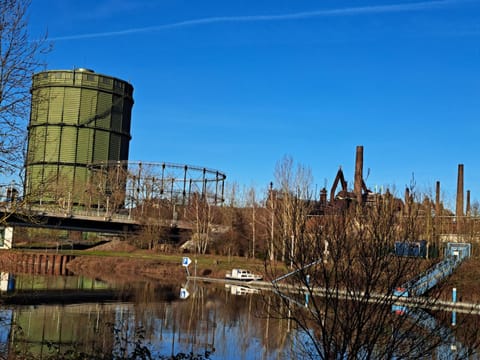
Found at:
(212, 316)
(76, 328)
(211, 319)
(465, 331)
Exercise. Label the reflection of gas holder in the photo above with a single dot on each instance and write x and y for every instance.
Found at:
(241, 290)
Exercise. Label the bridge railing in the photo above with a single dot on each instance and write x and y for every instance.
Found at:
(73, 212)
(455, 253)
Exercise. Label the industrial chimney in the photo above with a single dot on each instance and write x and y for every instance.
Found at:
(459, 209)
(357, 186)
(437, 199)
(468, 210)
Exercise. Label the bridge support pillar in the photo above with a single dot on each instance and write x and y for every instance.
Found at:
(6, 237)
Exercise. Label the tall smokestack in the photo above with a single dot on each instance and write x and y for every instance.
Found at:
(437, 199)
(467, 211)
(459, 209)
(357, 186)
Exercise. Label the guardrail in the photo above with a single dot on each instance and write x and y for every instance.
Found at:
(455, 253)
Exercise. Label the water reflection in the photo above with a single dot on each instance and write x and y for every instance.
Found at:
(226, 321)
(211, 319)
(241, 290)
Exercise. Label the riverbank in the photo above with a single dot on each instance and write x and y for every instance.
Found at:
(120, 262)
(117, 261)
(135, 264)
(465, 279)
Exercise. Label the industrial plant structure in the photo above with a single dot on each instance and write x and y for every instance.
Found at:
(78, 118)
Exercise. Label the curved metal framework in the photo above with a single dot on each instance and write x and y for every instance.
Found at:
(141, 182)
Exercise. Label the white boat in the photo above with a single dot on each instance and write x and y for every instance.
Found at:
(241, 290)
(242, 275)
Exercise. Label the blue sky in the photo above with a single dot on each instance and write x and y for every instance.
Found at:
(237, 85)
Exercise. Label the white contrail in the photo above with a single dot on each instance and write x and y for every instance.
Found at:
(257, 18)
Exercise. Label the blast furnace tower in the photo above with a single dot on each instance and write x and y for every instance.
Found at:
(78, 118)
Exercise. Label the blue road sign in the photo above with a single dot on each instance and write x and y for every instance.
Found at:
(186, 261)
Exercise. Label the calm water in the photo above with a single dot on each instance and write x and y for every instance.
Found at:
(42, 315)
(166, 319)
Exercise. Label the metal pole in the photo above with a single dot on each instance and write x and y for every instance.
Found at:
(204, 183)
(307, 281)
(454, 299)
(272, 256)
(292, 250)
(184, 193)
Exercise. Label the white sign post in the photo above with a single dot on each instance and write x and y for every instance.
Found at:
(185, 262)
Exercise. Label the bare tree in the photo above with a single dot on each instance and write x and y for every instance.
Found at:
(252, 201)
(19, 60)
(340, 290)
(293, 203)
(154, 235)
(199, 212)
(231, 242)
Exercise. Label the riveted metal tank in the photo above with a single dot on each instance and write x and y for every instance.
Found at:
(78, 117)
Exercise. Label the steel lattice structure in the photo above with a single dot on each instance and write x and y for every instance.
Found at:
(144, 181)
